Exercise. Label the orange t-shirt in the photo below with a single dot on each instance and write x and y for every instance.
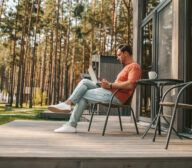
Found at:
(131, 73)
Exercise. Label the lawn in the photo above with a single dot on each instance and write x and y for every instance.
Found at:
(20, 113)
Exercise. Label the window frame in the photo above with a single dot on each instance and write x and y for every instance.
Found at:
(154, 16)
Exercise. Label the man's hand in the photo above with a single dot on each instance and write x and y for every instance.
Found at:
(123, 85)
(105, 84)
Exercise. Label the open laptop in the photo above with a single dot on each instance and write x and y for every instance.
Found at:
(93, 76)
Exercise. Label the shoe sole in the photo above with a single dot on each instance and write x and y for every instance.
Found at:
(54, 109)
(65, 131)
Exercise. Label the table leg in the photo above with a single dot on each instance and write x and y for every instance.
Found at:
(158, 98)
(148, 128)
(159, 126)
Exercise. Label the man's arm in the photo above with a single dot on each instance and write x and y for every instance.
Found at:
(123, 85)
(133, 75)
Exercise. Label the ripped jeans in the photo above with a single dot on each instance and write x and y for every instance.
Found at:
(85, 93)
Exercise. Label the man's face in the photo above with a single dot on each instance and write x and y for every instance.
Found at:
(120, 56)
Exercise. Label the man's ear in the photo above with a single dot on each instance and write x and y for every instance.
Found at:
(126, 53)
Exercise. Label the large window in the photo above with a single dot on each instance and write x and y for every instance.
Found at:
(188, 62)
(156, 52)
(147, 41)
(164, 44)
(149, 5)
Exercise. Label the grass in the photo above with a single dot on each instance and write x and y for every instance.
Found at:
(20, 113)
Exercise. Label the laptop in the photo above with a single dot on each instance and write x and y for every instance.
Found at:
(93, 76)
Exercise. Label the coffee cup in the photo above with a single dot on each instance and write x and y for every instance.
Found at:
(152, 75)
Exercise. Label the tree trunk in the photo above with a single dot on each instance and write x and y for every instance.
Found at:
(43, 70)
(24, 54)
(34, 57)
(59, 77)
(50, 70)
(1, 10)
(20, 69)
(92, 33)
(113, 23)
(71, 85)
(66, 90)
(13, 62)
(55, 63)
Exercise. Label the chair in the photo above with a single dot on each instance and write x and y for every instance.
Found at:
(176, 105)
(110, 105)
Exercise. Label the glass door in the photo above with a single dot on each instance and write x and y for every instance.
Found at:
(146, 64)
(156, 49)
(188, 67)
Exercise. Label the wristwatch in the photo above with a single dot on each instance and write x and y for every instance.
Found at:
(110, 85)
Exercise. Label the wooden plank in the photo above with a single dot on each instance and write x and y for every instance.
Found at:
(36, 138)
(34, 144)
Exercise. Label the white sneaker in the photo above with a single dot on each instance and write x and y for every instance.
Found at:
(65, 129)
(61, 107)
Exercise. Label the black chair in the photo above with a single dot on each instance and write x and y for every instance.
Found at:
(111, 105)
(176, 105)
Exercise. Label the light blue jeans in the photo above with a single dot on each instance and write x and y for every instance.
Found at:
(85, 93)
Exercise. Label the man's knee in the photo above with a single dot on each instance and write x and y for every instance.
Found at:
(84, 81)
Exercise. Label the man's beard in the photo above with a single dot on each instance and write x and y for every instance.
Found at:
(120, 61)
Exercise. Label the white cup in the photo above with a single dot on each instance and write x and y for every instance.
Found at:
(152, 75)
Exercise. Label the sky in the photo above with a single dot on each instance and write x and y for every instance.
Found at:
(10, 4)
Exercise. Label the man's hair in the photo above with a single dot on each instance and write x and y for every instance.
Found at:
(125, 47)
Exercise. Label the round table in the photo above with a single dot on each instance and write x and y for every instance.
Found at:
(158, 84)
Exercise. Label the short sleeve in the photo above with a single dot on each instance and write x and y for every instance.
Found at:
(134, 73)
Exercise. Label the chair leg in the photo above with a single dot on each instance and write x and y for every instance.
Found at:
(90, 108)
(119, 113)
(148, 128)
(106, 120)
(134, 119)
(170, 128)
(92, 113)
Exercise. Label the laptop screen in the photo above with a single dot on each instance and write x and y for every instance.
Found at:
(92, 74)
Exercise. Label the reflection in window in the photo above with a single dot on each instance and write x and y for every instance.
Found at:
(146, 64)
(149, 5)
(165, 62)
(165, 42)
(147, 48)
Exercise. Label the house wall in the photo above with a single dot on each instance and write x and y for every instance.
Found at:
(109, 69)
(178, 49)
(137, 16)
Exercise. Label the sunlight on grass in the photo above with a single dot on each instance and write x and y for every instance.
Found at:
(20, 113)
(5, 119)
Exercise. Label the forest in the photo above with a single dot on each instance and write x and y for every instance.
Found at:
(45, 45)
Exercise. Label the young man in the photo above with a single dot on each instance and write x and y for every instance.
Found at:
(89, 92)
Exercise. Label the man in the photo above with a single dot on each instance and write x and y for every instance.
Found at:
(89, 92)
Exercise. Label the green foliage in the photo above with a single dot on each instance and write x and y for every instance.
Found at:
(18, 114)
(67, 35)
(5, 119)
(79, 9)
(38, 96)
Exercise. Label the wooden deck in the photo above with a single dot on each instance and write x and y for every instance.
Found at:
(25, 143)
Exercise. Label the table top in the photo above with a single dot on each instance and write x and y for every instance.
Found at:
(165, 81)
